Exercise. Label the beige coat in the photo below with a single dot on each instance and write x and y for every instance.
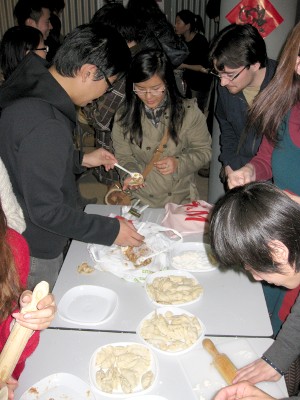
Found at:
(193, 152)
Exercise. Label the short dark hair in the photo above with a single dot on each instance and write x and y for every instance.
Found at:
(25, 9)
(247, 219)
(99, 45)
(236, 46)
(117, 16)
(15, 44)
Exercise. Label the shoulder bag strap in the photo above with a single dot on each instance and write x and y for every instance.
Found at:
(156, 155)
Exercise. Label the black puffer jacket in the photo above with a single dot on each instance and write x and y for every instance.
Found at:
(158, 33)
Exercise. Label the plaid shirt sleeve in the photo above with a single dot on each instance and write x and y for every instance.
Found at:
(100, 113)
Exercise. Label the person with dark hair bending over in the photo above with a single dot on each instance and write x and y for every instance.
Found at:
(154, 115)
(37, 120)
(195, 75)
(256, 227)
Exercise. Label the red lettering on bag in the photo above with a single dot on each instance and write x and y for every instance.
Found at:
(199, 219)
(196, 216)
(194, 204)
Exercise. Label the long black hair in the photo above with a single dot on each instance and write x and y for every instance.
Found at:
(144, 66)
(247, 219)
(16, 43)
(195, 21)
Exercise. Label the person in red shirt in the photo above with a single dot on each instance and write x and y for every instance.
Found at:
(14, 270)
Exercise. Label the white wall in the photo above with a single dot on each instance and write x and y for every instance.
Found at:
(275, 40)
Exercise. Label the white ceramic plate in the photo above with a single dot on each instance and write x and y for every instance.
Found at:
(87, 305)
(119, 394)
(192, 256)
(167, 273)
(59, 386)
(175, 311)
(205, 379)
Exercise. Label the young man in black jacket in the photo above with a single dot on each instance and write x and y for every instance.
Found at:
(36, 145)
(238, 54)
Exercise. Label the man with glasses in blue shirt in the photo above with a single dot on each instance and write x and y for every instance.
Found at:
(240, 63)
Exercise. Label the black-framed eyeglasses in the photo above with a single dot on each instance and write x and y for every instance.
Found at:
(110, 86)
(45, 49)
(227, 75)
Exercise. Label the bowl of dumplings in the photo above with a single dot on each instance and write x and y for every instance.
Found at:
(171, 330)
(121, 369)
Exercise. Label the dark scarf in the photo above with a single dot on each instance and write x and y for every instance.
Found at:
(155, 114)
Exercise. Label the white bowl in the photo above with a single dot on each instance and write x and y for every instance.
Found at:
(176, 312)
(87, 305)
(168, 273)
(193, 257)
(118, 393)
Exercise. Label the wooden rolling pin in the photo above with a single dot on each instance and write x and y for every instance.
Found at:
(221, 362)
(19, 335)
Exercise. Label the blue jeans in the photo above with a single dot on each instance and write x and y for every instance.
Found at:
(44, 270)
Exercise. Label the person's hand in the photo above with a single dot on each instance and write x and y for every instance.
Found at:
(39, 319)
(181, 66)
(12, 385)
(126, 184)
(241, 176)
(167, 165)
(257, 371)
(128, 235)
(99, 157)
(242, 390)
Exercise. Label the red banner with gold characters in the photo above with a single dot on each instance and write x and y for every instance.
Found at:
(259, 13)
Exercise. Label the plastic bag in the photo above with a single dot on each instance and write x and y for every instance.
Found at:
(189, 218)
(113, 258)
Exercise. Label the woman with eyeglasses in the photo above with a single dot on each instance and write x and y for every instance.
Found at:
(16, 43)
(153, 111)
